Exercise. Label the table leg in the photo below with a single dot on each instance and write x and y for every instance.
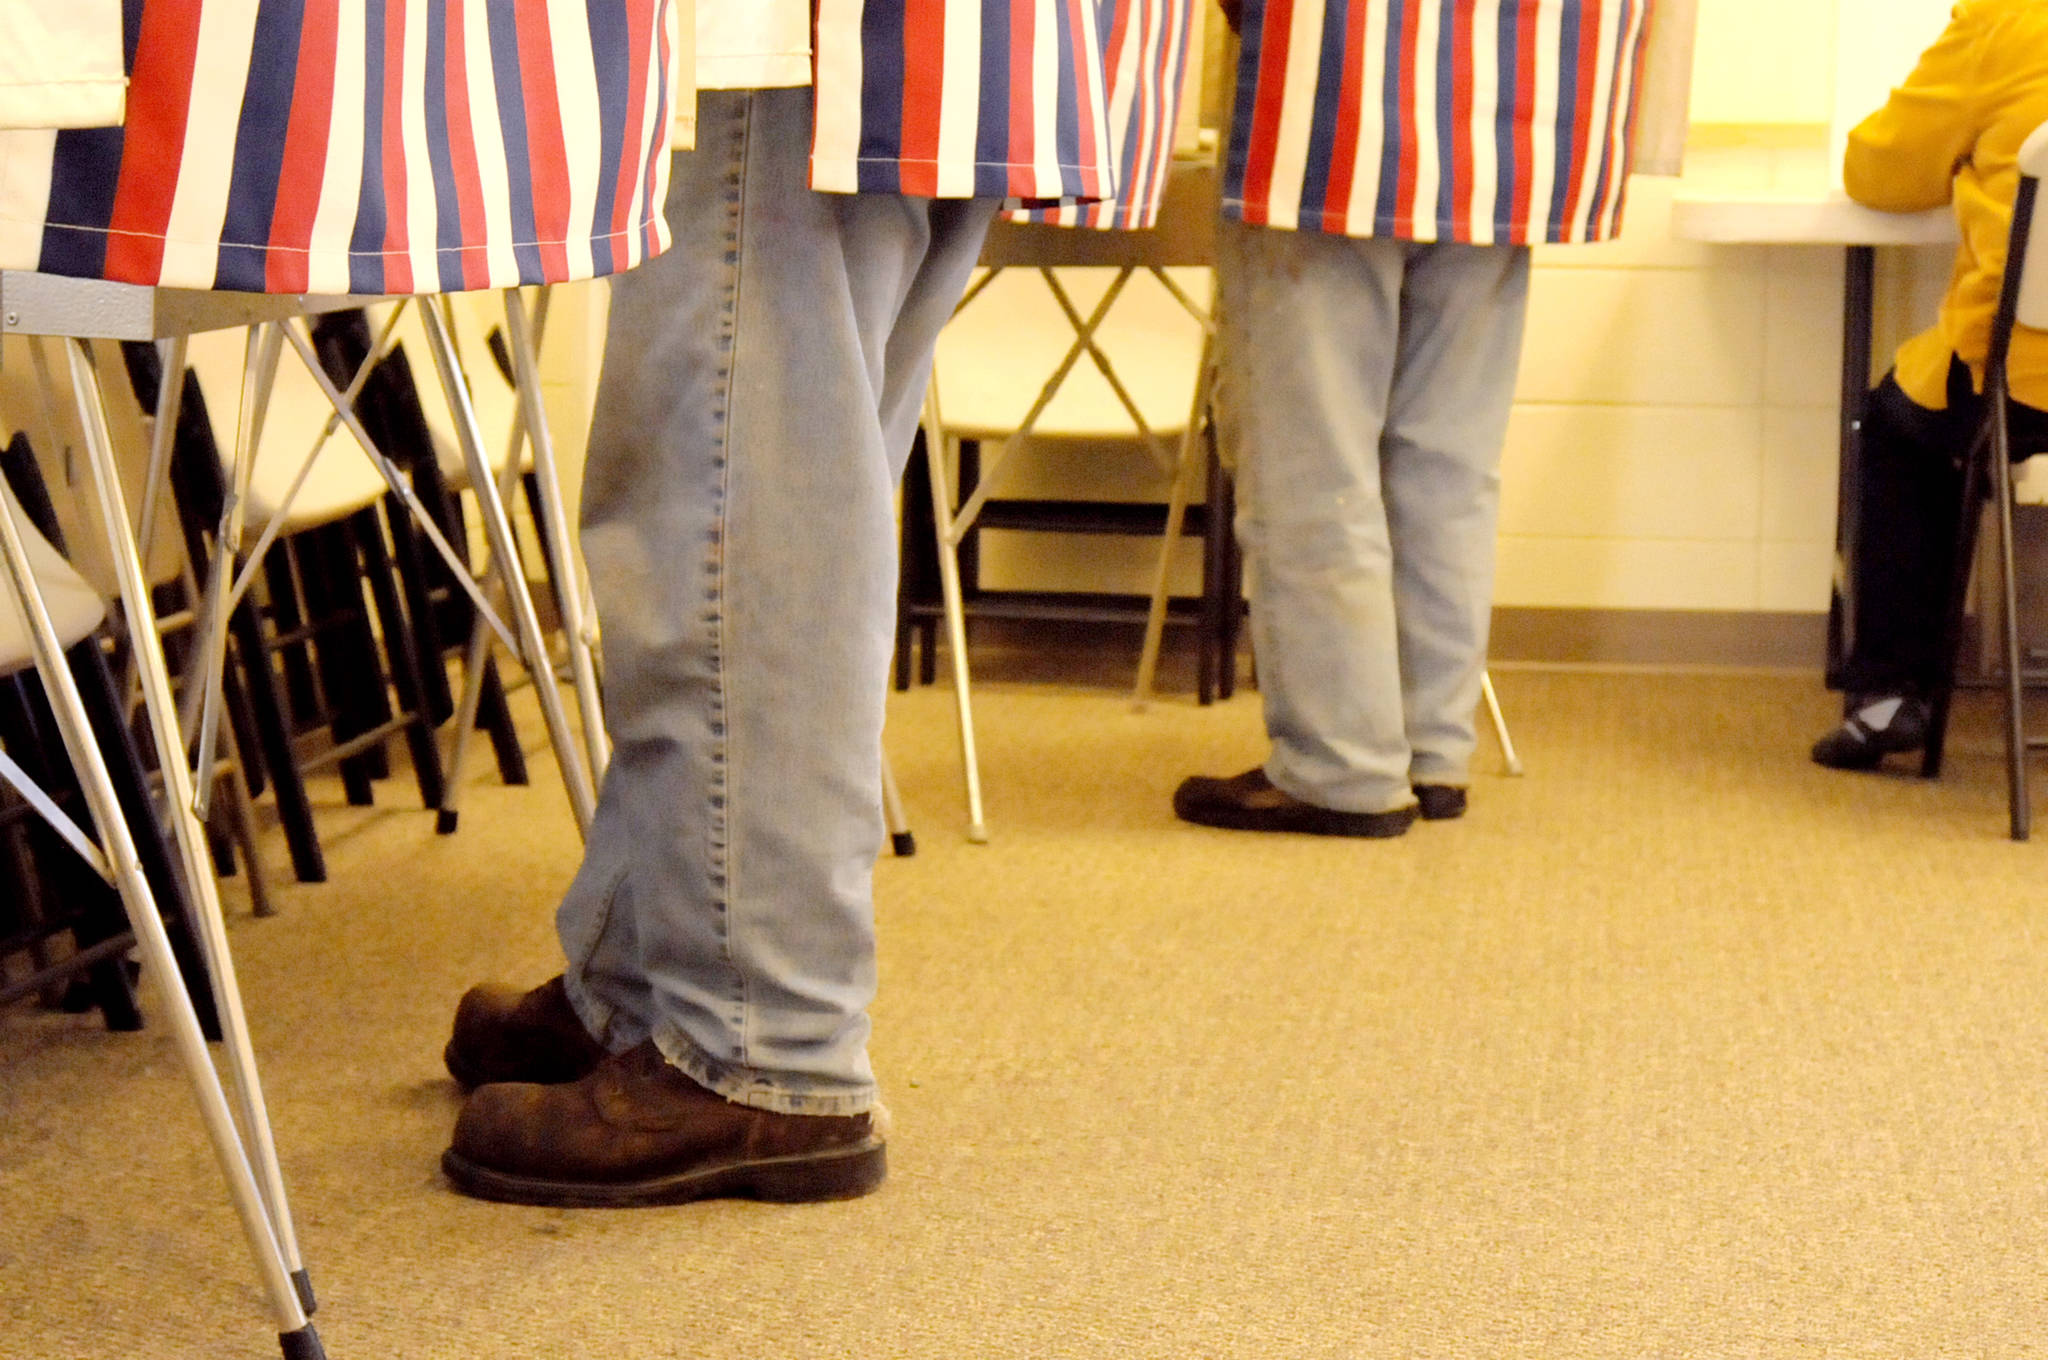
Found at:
(1859, 273)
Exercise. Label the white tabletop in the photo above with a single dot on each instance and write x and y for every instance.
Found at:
(1787, 195)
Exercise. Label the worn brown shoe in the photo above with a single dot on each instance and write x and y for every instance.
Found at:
(637, 1131)
(1249, 802)
(504, 1034)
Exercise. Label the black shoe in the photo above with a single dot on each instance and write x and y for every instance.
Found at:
(1249, 802)
(1440, 802)
(1861, 744)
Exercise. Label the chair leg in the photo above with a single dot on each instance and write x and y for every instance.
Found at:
(195, 472)
(494, 716)
(273, 735)
(287, 610)
(404, 661)
(1214, 623)
(1233, 571)
(428, 643)
(2000, 452)
(918, 580)
(351, 679)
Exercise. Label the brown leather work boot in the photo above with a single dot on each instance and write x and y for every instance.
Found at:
(1249, 802)
(637, 1131)
(505, 1034)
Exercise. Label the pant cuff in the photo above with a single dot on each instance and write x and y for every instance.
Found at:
(760, 1090)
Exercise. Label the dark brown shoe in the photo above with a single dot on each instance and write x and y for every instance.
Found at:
(1249, 802)
(1440, 802)
(504, 1034)
(637, 1131)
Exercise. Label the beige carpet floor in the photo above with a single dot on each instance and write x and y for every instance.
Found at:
(1678, 1046)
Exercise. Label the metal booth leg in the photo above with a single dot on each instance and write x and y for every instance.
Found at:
(956, 609)
(248, 1158)
(1500, 723)
(524, 342)
(577, 777)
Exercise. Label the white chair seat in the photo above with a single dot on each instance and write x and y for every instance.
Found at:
(342, 480)
(75, 607)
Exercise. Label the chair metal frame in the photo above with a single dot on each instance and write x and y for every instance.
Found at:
(2022, 301)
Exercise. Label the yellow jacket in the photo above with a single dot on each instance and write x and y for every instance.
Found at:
(1951, 133)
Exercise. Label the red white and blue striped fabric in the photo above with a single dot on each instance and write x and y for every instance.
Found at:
(359, 146)
(1485, 121)
(1145, 54)
(962, 99)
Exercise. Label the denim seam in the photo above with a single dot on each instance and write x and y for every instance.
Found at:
(721, 856)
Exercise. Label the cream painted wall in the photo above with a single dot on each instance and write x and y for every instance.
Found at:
(1755, 61)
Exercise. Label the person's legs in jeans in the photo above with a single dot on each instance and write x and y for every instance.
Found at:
(1309, 343)
(1369, 383)
(759, 396)
(1462, 312)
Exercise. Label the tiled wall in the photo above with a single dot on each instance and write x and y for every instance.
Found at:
(1672, 443)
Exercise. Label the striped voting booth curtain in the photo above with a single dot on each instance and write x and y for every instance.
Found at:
(358, 146)
(1487, 121)
(962, 98)
(1145, 57)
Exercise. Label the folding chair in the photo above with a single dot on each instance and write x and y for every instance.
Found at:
(2022, 301)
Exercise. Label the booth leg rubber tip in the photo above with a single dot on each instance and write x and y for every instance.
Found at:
(304, 1344)
(904, 844)
(444, 822)
(302, 1281)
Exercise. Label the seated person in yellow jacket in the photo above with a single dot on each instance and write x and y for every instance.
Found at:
(1950, 134)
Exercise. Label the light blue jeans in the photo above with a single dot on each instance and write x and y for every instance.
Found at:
(761, 389)
(1367, 389)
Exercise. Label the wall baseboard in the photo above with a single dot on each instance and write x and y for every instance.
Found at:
(1749, 640)
(1677, 639)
